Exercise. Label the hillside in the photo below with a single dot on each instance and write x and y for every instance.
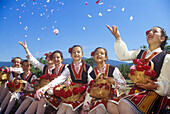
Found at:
(69, 60)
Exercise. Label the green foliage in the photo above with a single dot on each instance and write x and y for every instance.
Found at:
(124, 69)
(37, 71)
(90, 61)
(143, 47)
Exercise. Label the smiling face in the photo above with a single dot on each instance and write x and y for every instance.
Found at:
(154, 37)
(17, 62)
(26, 66)
(57, 58)
(100, 55)
(77, 54)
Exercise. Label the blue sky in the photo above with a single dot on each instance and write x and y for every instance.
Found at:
(78, 23)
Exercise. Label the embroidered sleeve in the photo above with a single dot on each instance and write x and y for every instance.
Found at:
(120, 82)
(16, 70)
(123, 53)
(164, 78)
(60, 79)
(89, 77)
(28, 86)
(35, 62)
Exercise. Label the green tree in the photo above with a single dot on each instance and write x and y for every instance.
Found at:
(124, 69)
(37, 71)
(90, 61)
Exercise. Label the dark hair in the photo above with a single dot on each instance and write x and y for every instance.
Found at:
(57, 51)
(76, 46)
(101, 48)
(26, 62)
(163, 34)
(16, 58)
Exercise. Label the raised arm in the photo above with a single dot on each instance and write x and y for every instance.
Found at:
(114, 31)
(30, 58)
(120, 47)
(25, 47)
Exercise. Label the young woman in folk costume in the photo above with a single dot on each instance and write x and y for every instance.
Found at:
(79, 73)
(154, 97)
(18, 70)
(46, 69)
(26, 77)
(113, 76)
(57, 58)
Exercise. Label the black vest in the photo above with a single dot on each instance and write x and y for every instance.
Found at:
(61, 70)
(157, 60)
(29, 79)
(110, 72)
(44, 69)
(84, 74)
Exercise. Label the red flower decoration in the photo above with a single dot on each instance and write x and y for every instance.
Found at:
(12, 60)
(73, 83)
(58, 93)
(7, 70)
(86, 3)
(46, 55)
(69, 93)
(132, 71)
(50, 56)
(139, 68)
(147, 32)
(137, 61)
(92, 82)
(92, 53)
(69, 50)
(82, 89)
(153, 73)
(17, 86)
(146, 67)
(21, 62)
(75, 90)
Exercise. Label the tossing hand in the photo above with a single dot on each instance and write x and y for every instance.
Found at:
(114, 31)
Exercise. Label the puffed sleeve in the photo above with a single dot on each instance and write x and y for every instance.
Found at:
(16, 70)
(35, 62)
(120, 82)
(123, 53)
(60, 79)
(28, 86)
(164, 78)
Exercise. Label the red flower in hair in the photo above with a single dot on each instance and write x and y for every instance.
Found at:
(50, 56)
(69, 50)
(92, 53)
(46, 55)
(147, 32)
(12, 60)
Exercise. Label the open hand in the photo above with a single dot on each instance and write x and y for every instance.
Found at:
(23, 44)
(114, 31)
(149, 86)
